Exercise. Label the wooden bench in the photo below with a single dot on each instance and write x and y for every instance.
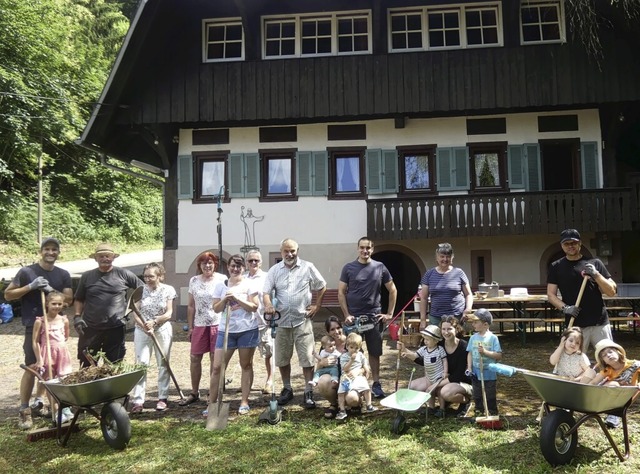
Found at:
(330, 301)
(616, 320)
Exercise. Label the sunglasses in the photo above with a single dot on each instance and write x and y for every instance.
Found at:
(253, 261)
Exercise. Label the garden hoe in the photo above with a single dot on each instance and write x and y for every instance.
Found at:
(218, 415)
(273, 414)
(487, 421)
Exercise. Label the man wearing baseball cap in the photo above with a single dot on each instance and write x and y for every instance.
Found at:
(566, 275)
(28, 286)
(100, 306)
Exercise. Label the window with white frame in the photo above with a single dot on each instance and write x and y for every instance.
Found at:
(464, 26)
(346, 175)
(223, 40)
(317, 35)
(542, 21)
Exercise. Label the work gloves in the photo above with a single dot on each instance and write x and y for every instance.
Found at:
(590, 270)
(571, 310)
(79, 324)
(39, 283)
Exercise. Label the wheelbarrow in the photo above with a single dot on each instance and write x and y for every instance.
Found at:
(403, 401)
(559, 430)
(90, 396)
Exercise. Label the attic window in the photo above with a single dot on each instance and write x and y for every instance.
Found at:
(222, 40)
(542, 21)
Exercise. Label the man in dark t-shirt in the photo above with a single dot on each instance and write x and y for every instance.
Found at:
(359, 295)
(100, 306)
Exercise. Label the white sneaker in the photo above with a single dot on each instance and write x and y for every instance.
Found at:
(613, 421)
(67, 415)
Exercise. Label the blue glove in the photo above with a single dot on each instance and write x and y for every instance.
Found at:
(571, 310)
(39, 283)
(590, 269)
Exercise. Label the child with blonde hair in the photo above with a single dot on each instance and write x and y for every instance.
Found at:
(355, 370)
(330, 353)
(568, 358)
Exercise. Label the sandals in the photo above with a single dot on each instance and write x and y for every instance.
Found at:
(137, 408)
(192, 398)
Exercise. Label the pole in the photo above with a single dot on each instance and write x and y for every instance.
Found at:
(40, 194)
(220, 224)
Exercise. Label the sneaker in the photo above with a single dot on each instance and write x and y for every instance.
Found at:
(341, 415)
(285, 396)
(67, 415)
(25, 419)
(376, 389)
(462, 411)
(161, 405)
(439, 413)
(137, 408)
(243, 410)
(371, 409)
(267, 389)
(613, 421)
(38, 404)
(308, 399)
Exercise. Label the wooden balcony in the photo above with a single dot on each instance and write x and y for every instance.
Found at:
(594, 210)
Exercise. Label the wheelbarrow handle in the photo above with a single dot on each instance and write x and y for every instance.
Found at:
(33, 372)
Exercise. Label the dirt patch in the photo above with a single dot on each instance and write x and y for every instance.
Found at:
(515, 396)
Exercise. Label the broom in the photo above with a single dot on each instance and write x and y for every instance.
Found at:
(487, 421)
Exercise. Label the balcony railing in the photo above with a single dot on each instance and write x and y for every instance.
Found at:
(595, 210)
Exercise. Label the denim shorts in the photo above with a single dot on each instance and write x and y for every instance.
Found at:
(239, 340)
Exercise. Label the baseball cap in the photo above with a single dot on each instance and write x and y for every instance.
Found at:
(481, 314)
(432, 331)
(569, 234)
(48, 241)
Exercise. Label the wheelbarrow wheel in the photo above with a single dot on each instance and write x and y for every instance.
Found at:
(116, 426)
(556, 445)
(398, 424)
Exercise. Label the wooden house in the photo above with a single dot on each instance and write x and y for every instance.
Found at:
(486, 124)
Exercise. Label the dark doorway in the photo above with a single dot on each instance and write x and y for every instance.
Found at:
(560, 164)
(405, 274)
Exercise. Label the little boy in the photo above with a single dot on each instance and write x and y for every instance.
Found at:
(332, 355)
(483, 344)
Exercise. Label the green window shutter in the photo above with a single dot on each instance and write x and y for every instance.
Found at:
(460, 169)
(533, 169)
(236, 175)
(320, 168)
(185, 177)
(443, 169)
(252, 175)
(373, 167)
(304, 166)
(390, 169)
(589, 162)
(516, 163)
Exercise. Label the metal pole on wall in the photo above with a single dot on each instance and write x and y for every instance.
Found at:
(220, 225)
(40, 194)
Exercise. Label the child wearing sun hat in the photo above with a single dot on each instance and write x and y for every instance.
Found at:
(615, 369)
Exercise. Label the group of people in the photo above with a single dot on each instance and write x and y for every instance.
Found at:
(236, 305)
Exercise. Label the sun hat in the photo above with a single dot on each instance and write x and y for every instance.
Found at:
(432, 331)
(604, 344)
(49, 240)
(569, 234)
(481, 314)
(104, 248)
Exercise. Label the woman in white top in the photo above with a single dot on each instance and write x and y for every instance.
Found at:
(240, 298)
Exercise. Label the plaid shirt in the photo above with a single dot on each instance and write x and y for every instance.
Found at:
(292, 287)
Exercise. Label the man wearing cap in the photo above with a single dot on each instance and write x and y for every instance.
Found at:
(29, 286)
(566, 275)
(100, 306)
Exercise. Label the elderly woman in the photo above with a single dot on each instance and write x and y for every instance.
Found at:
(240, 298)
(326, 387)
(202, 320)
(448, 288)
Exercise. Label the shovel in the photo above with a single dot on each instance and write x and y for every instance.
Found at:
(218, 416)
(486, 421)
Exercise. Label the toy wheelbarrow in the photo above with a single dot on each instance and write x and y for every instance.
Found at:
(114, 419)
(559, 431)
(403, 401)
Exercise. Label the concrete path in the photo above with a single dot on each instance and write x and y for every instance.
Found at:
(132, 261)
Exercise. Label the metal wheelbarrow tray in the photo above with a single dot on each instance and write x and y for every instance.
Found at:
(404, 400)
(559, 430)
(83, 397)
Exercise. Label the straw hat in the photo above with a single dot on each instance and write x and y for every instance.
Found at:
(432, 331)
(104, 248)
(602, 345)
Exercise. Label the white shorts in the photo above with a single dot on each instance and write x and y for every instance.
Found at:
(265, 342)
(591, 335)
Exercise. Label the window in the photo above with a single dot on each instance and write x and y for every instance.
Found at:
(223, 41)
(542, 22)
(317, 35)
(466, 26)
(210, 176)
(347, 173)
(488, 166)
(278, 172)
(416, 169)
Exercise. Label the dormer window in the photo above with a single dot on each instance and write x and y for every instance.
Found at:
(542, 21)
(223, 40)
